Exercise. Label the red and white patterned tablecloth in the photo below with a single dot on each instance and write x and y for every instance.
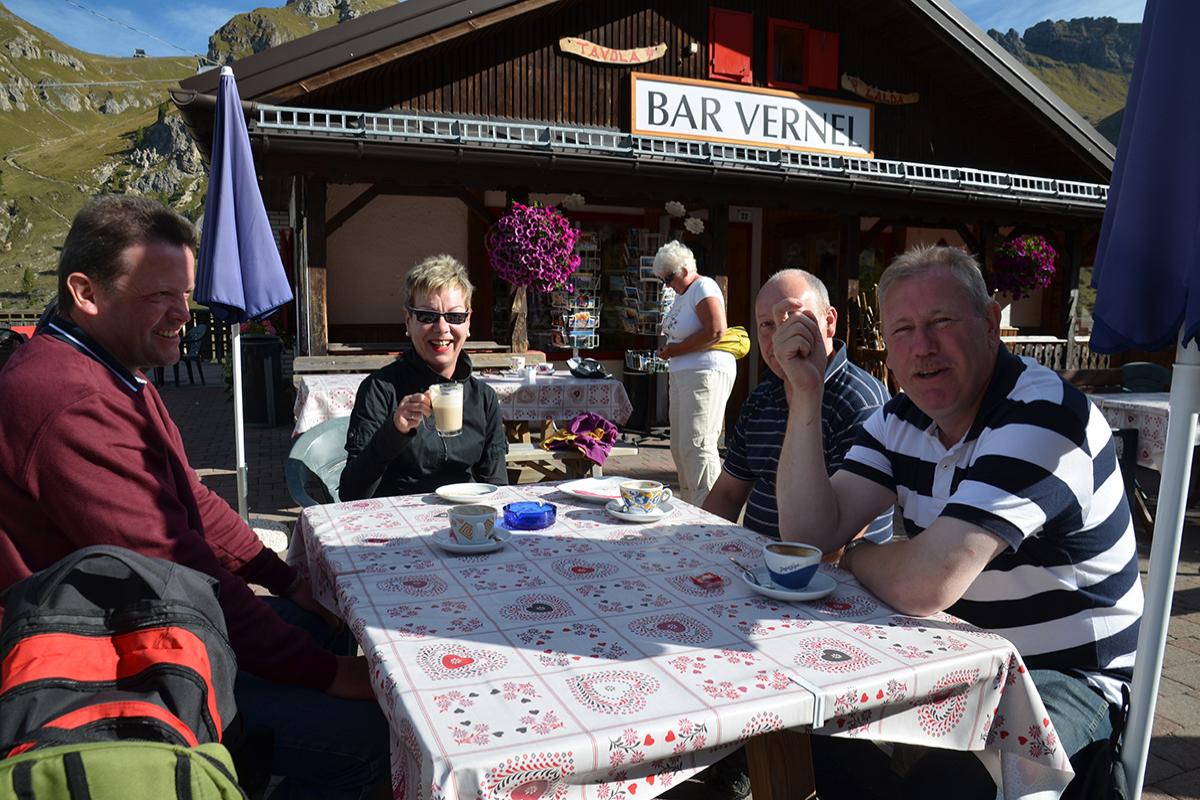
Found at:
(583, 661)
(561, 397)
(1148, 412)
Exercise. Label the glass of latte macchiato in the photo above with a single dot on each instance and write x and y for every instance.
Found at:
(791, 564)
(447, 401)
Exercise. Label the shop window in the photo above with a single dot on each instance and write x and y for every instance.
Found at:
(730, 44)
(800, 57)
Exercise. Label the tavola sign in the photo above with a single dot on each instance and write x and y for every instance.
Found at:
(720, 112)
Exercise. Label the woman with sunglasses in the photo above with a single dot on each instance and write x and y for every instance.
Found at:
(390, 448)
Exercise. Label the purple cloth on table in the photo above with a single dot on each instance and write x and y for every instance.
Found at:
(590, 434)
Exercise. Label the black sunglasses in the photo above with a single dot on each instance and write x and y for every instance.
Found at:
(427, 317)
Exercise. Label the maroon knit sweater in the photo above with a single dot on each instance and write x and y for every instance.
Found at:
(85, 459)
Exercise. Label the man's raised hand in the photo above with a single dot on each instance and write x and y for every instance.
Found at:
(799, 346)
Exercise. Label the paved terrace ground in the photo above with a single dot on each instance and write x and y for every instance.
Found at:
(205, 418)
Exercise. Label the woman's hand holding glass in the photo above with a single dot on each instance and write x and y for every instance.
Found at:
(411, 412)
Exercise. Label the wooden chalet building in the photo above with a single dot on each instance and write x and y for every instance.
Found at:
(811, 133)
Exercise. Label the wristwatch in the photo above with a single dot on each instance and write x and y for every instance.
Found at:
(852, 544)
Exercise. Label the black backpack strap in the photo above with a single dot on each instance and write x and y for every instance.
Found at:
(23, 781)
(183, 777)
(77, 782)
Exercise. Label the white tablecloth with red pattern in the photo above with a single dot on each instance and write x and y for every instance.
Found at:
(1148, 412)
(583, 661)
(561, 396)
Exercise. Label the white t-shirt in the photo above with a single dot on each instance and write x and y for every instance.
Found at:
(682, 321)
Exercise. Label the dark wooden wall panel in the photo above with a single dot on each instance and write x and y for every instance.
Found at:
(515, 70)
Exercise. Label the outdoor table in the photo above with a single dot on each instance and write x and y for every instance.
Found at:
(583, 661)
(561, 396)
(1148, 413)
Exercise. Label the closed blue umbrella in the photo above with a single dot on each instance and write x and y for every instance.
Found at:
(1147, 276)
(240, 276)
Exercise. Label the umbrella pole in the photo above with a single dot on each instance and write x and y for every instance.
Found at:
(1164, 562)
(239, 423)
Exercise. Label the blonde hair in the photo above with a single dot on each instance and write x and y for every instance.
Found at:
(673, 258)
(927, 257)
(434, 274)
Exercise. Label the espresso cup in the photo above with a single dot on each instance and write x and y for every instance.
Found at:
(791, 564)
(472, 525)
(643, 497)
(447, 402)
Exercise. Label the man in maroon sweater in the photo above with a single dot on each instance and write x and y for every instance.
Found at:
(89, 455)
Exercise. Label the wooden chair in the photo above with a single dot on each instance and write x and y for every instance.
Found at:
(319, 453)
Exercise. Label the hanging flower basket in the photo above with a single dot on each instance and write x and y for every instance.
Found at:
(531, 247)
(1022, 265)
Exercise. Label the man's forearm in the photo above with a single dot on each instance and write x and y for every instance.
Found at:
(808, 507)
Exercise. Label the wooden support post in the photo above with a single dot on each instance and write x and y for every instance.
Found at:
(315, 266)
(781, 766)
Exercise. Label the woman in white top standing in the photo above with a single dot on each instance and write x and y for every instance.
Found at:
(700, 378)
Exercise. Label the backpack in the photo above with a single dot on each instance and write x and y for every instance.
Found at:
(107, 646)
(129, 770)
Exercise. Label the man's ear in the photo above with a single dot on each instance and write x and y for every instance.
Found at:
(830, 322)
(83, 293)
(992, 317)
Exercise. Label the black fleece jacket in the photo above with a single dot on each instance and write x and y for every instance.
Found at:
(382, 462)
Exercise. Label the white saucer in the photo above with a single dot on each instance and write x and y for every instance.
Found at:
(613, 507)
(467, 492)
(442, 539)
(820, 585)
(595, 490)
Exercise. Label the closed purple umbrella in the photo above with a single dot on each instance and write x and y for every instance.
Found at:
(239, 276)
(1147, 277)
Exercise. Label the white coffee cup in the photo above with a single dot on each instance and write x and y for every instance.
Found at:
(472, 524)
(792, 565)
(447, 401)
(517, 363)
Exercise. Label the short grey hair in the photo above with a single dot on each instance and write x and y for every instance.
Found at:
(816, 284)
(435, 274)
(673, 258)
(925, 258)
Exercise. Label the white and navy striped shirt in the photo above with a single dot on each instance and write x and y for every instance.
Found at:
(851, 396)
(1039, 470)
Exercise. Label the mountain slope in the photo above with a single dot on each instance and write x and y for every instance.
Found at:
(69, 124)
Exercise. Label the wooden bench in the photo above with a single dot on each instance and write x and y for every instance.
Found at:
(529, 463)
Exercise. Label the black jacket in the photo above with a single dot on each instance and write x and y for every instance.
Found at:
(381, 461)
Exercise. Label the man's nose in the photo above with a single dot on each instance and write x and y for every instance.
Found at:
(924, 341)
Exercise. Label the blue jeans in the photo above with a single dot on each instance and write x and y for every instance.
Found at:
(848, 768)
(324, 747)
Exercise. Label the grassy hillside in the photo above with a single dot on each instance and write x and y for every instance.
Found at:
(59, 144)
(255, 30)
(1094, 93)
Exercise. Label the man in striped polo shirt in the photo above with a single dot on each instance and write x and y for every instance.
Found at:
(1014, 506)
(849, 397)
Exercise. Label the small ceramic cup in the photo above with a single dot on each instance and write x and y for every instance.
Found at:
(517, 363)
(643, 497)
(472, 525)
(791, 564)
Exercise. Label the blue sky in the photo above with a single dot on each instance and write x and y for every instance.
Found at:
(188, 23)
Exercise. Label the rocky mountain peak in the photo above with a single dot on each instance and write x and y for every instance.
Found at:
(1100, 42)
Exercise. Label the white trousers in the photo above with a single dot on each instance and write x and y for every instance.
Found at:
(698, 398)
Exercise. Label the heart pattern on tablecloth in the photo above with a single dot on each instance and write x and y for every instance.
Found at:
(825, 654)
(420, 585)
(674, 627)
(537, 607)
(583, 569)
(947, 702)
(453, 661)
(615, 691)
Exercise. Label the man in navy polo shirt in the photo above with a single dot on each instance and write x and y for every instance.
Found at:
(849, 397)
(1014, 507)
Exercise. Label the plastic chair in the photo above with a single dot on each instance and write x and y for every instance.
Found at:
(320, 453)
(10, 340)
(1145, 376)
(190, 347)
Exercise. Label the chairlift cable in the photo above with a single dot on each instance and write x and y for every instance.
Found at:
(156, 37)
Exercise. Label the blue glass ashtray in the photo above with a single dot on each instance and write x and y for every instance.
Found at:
(529, 516)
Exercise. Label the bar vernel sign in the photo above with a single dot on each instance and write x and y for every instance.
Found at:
(719, 112)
